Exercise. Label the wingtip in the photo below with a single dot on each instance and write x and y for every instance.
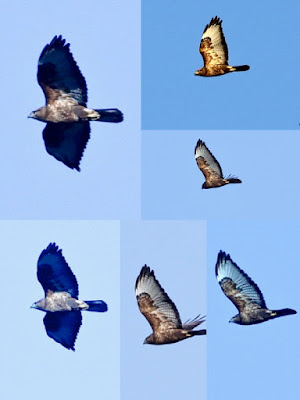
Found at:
(199, 144)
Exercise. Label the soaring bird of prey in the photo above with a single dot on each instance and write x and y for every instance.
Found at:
(244, 294)
(210, 168)
(161, 312)
(214, 51)
(66, 114)
(63, 309)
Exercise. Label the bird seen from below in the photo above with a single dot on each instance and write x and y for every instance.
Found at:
(66, 114)
(244, 294)
(161, 312)
(214, 51)
(61, 304)
(210, 168)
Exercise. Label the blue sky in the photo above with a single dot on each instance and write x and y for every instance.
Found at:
(176, 251)
(105, 42)
(37, 363)
(250, 123)
(265, 161)
(261, 35)
(266, 355)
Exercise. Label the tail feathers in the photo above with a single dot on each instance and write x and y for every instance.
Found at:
(242, 68)
(234, 180)
(110, 115)
(198, 333)
(96, 305)
(284, 311)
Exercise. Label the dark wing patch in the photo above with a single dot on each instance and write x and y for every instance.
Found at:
(67, 141)
(58, 73)
(237, 285)
(213, 47)
(54, 273)
(154, 303)
(207, 163)
(63, 327)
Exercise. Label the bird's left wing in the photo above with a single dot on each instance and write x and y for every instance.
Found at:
(63, 327)
(213, 47)
(54, 273)
(237, 285)
(67, 141)
(59, 75)
(154, 303)
(206, 161)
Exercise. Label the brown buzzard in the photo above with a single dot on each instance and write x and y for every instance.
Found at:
(244, 294)
(161, 312)
(210, 168)
(68, 130)
(214, 51)
(63, 309)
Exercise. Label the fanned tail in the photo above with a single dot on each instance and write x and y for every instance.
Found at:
(110, 115)
(96, 305)
(242, 68)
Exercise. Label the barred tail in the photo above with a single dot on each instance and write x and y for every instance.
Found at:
(284, 311)
(242, 68)
(96, 305)
(110, 115)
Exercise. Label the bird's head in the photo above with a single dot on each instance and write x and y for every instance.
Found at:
(199, 72)
(38, 114)
(149, 340)
(236, 319)
(39, 305)
(204, 186)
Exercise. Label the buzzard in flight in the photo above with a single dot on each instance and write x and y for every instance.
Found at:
(210, 168)
(63, 309)
(214, 51)
(161, 312)
(244, 294)
(66, 114)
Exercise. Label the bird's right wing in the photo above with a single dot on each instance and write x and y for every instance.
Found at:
(67, 141)
(63, 327)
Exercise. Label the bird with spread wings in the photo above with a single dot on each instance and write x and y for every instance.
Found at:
(61, 304)
(161, 312)
(210, 168)
(66, 114)
(214, 51)
(244, 294)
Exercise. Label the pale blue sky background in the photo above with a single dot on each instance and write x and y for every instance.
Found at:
(105, 42)
(33, 365)
(259, 361)
(261, 34)
(176, 251)
(265, 161)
